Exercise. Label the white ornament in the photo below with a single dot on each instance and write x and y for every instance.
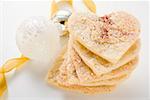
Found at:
(38, 38)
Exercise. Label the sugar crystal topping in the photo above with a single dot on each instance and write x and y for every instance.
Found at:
(106, 31)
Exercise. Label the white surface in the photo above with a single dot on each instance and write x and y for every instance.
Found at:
(29, 84)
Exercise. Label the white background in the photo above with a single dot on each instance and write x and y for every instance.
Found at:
(29, 83)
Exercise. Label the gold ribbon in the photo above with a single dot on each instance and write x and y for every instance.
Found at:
(16, 63)
(10, 65)
(55, 6)
(88, 3)
(3, 85)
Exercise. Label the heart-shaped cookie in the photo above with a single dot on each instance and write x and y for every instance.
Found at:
(109, 36)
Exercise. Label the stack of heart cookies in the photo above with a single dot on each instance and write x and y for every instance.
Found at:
(100, 54)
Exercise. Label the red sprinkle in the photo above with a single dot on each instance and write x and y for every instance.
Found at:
(104, 36)
(107, 20)
(105, 30)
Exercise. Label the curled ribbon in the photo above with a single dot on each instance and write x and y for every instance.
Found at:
(88, 3)
(3, 85)
(10, 65)
(16, 63)
(55, 6)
